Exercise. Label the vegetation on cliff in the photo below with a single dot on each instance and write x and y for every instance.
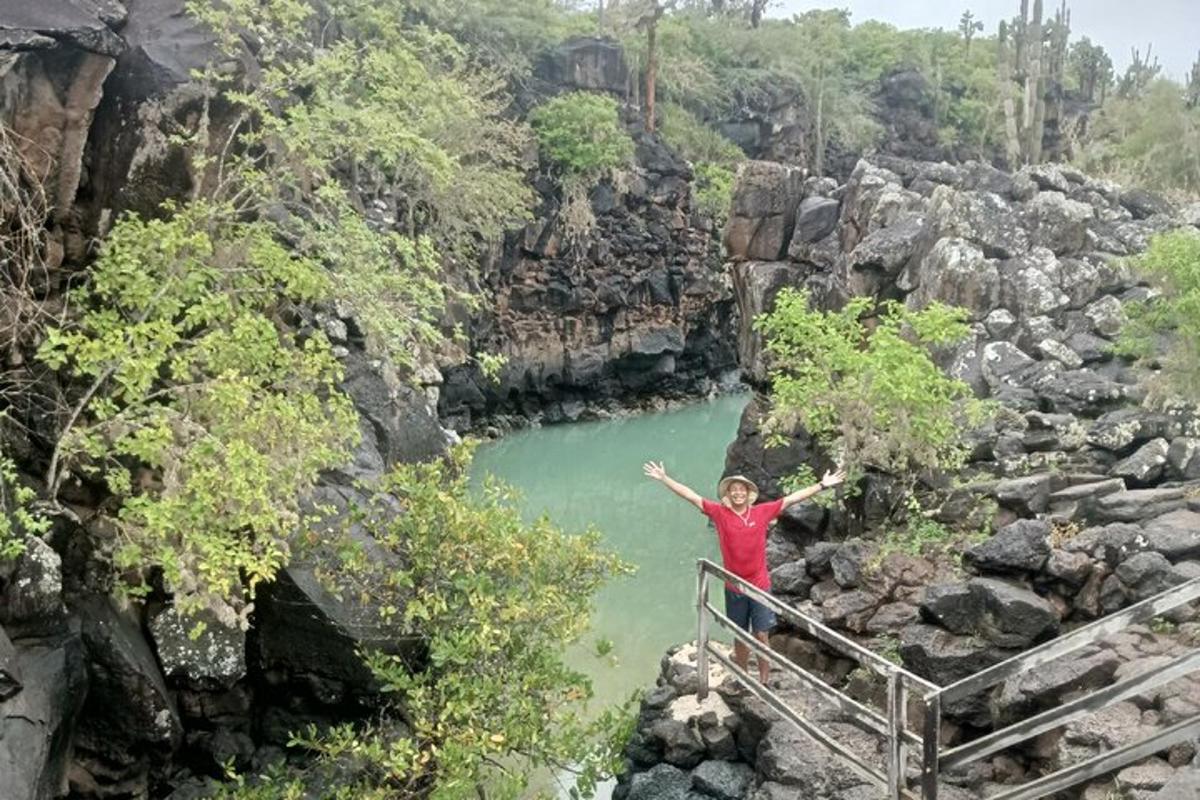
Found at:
(358, 157)
(1173, 263)
(868, 390)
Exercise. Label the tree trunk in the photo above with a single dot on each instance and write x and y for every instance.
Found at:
(651, 71)
(819, 149)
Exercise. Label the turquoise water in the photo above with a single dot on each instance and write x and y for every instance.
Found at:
(591, 474)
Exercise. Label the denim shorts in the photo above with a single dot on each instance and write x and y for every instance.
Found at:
(747, 612)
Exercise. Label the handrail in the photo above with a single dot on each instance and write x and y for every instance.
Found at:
(893, 727)
(935, 698)
(1075, 640)
(829, 636)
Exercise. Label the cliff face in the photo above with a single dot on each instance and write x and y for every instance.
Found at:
(635, 307)
(106, 699)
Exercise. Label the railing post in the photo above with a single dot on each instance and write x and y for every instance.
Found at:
(897, 724)
(933, 734)
(702, 630)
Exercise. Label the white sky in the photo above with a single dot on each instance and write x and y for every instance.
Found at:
(1172, 25)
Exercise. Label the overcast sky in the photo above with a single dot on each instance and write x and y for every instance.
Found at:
(1172, 25)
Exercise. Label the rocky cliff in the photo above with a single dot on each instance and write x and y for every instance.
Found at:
(635, 307)
(101, 698)
(1082, 496)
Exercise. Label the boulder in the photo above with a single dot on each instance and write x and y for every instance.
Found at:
(723, 780)
(1134, 505)
(763, 211)
(130, 717)
(1057, 222)
(679, 742)
(1176, 534)
(1147, 574)
(36, 724)
(888, 249)
(944, 657)
(1030, 692)
(1031, 284)
(1106, 315)
(983, 218)
(791, 578)
(662, 782)
(790, 757)
(1022, 546)
(1183, 458)
(954, 272)
(1027, 496)
(1145, 465)
(31, 601)
(1012, 616)
(953, 606)
(1109, 543)
(816, 218)
(215, 658)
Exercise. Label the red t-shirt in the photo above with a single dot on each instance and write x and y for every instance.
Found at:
(744, 541)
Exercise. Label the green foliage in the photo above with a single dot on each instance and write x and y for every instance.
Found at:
(205, 416)
(397, 109)
(581, 132)
(693, 140)
(714, 190)
(486, 605)
(1173, 263)
(714, 158)
(1149, 139)
(501, 34)
(18, 519)
(918, 535)
(871, 396)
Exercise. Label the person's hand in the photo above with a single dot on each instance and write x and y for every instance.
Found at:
(655, 471)
(831, 479)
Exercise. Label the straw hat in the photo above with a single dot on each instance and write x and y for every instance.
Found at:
(723, 487)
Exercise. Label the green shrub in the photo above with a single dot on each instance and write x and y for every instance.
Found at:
(204, 414)
(18, 519)
(1173, 263)
(872, 396)
(581, 132)
(695, 141)
(714, 190)
(486, 604)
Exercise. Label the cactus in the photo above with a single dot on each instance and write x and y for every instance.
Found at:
(1033, 53)
(1193, 87)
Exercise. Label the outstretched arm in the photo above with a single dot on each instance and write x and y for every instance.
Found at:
(830, 480)
(659, 473)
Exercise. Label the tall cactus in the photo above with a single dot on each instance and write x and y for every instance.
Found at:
(1033, 53)
(1193, 87)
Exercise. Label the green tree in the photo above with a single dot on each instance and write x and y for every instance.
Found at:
(486, 605)
(870, 394)
(204, 415)
(1172, 262)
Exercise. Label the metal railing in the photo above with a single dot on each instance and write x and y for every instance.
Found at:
(902, 684)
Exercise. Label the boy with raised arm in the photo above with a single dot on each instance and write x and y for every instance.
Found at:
(742, 532)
